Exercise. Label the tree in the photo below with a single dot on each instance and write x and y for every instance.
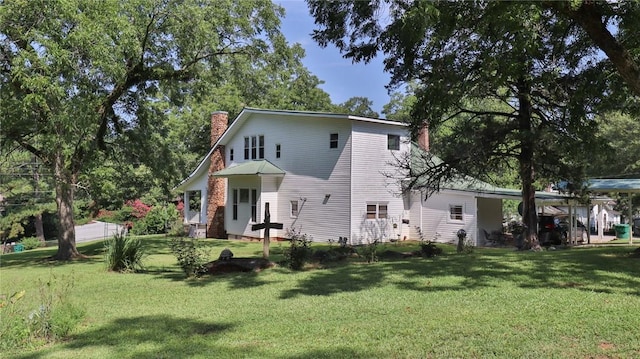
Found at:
(509, 82)
(597, 18)
(75, 74)
(359, 106)
(25, 195)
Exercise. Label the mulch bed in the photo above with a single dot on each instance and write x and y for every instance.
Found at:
(234, 265)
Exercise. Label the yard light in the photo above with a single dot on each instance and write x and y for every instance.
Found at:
(462, 234)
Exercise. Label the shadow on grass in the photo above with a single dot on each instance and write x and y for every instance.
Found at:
(157, 336)
(603, 269)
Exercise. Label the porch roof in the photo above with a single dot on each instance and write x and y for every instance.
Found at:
(251, 168)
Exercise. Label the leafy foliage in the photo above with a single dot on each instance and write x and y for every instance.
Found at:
(82, 81)
(31, 243)
(192, 256)
(299, 251)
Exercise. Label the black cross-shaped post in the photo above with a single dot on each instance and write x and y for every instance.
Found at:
(266, 225)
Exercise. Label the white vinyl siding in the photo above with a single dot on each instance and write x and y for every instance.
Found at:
(436, 224)
(371, 163)
(313, 170)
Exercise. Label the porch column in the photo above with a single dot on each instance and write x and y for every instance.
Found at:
(186, 209)
(600, 221)
(204, 204)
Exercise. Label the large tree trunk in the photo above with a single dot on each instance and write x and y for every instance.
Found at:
(64, 183)
(527, 171)
(39, 227)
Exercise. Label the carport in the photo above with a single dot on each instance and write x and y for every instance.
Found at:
(627, 186)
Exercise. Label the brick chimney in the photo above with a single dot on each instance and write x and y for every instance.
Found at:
(216, 185)
(423, 136)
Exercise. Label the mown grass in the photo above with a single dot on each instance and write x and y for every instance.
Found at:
(577, 303)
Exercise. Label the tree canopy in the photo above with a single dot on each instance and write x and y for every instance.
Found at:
(77, 74)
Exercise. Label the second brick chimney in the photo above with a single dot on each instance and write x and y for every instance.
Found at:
(216, 185)
(423, 136)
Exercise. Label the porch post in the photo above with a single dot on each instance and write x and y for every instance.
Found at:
(186, 209)
(600, 221)
(630, 221)
(204, 204)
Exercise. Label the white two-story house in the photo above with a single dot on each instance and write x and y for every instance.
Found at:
(328, 176)
(325, 175)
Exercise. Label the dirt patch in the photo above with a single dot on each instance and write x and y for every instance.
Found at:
(605, 346)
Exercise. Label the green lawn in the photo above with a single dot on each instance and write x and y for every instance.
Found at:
(493, 303)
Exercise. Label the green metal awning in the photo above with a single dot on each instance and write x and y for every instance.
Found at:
(624, 185)
(251, 168)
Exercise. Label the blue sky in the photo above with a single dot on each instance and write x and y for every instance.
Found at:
(343, 79)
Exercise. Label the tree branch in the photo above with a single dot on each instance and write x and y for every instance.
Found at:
(590, 18)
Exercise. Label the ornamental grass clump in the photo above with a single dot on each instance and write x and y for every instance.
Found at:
(124, 253)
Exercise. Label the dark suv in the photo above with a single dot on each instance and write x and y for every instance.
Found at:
(550, 232)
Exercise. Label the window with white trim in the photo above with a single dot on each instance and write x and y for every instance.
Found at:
(377, 211)
(254, 147)
(333, 140)
(294, 209)
(393, 142)
(456, 212)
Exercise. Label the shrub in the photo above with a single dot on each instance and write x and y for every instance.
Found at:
(299, 251)
(191, 256)
(31, 243)
(369, 251)
(428, 248)
(124, 253)
(156, 220)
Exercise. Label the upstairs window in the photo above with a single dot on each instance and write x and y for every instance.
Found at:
(261, 147)
(333, 140)
(231, 154)
(278, 147)
(393, 142)
(246, 148)
(254, 147)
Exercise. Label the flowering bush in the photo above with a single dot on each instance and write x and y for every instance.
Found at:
(139, 209)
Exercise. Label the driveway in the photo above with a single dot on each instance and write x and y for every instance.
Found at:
(96, 230)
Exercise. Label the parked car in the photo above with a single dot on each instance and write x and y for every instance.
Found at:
(580, 234)
(554, 230)
(549, 231)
